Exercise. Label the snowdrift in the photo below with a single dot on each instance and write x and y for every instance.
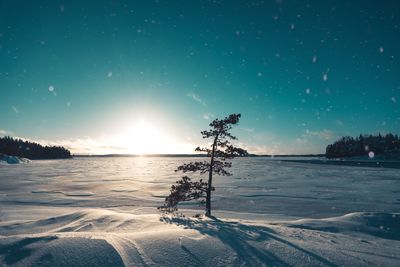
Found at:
(383, 225)
(99, 237)
(12, 159)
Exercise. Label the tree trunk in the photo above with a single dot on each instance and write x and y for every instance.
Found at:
(208, 196)
(208, 203)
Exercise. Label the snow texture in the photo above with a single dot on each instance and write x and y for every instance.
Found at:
(101, 212)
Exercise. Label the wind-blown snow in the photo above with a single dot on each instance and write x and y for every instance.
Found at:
(101, 212)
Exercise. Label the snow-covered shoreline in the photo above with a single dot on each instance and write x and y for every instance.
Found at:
(12, 159)
(394, 164)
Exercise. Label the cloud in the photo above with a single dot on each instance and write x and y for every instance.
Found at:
(196, 98)
(5, 132)
(15, 109)
(339, 122)
(106, 145)
(301, 141)
(208, 116)
(85, 145)
(260, 149)
(324, 134)
(295, 147)
(112, 144)
(311, 142)
(265, 143)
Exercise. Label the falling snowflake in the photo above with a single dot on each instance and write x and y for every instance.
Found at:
(325, 77)
(381, 49)
(308, 91)
(109, 74)
(51, 88)
(259, 74)
(371, 154)
(68, 104)
(394, 100)
(314, 59)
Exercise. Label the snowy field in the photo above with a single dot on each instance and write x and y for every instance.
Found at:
(102, 212)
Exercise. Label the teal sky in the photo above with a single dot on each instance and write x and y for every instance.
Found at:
(95, 75)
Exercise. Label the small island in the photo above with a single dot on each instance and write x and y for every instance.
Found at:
(31, 150)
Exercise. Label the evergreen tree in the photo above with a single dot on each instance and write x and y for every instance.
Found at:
(388, 145)
(219, 152)
(31, 150)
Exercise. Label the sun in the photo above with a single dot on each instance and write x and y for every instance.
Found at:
(141, 138)
(145, 137)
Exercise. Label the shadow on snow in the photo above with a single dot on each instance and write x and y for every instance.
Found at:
(21, 249)
(240, 238)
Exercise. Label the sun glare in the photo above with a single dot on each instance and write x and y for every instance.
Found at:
(145, 138)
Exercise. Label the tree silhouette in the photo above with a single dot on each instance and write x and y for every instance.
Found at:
(31, 150)
(388, 146)
(219, 152)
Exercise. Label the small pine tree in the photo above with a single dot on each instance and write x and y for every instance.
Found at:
(219, 152)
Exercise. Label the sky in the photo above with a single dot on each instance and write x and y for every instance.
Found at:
(143, 77)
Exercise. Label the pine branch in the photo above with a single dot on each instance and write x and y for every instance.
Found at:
(219, 167)
(236, 151)
(185, 190)
(202, 167)
(203, 149)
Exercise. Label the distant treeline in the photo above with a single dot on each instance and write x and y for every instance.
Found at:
(388, 145)
(31, 150)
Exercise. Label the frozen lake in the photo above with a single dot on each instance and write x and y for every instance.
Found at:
(258, 185)
(102, 212)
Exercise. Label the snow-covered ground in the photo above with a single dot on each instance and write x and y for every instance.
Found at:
(5, 159)
(101, 212)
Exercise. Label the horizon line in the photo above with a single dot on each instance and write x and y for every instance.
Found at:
(191, 155)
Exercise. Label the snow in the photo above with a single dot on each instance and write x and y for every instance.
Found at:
(371, 154)
(101, 212)
(314, 59)
(12, 159)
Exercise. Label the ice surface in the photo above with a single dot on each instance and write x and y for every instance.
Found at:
(101, 212)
